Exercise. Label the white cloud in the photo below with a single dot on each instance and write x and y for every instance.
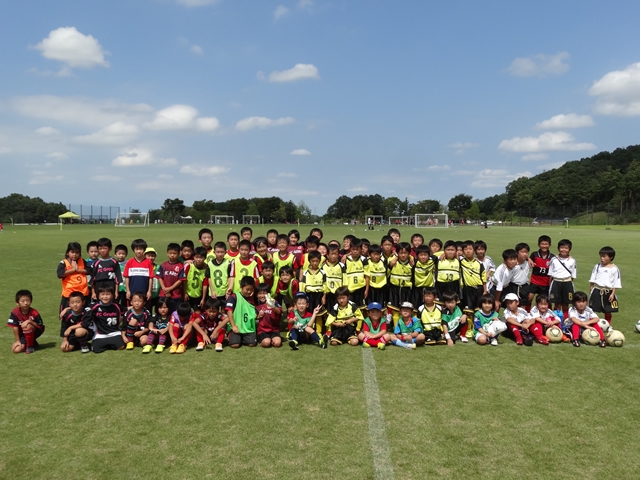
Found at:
(80, 110)
(152, 185)
(305, 4)
(182, 117)
(493, 178)
(57, 155)
(465, 145)
(74, 49)
(540, 65)
(280, 12)
(136, 157)
(300, 151)
(117, 133)
(4, 150)
(570, 120)
(438, 168)
(546, 142)
(47, 131)
(262, 122)
(300, 71)
(357, 189)
(42, 178)
(203, 171)
(287, 175)
(618, 92)
(196, 3)
(197, 49)
(535, 157)
(106, 178)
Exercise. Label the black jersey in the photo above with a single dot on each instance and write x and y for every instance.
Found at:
(71, 318)
(105, 319)
(106, 269)
(143, 318)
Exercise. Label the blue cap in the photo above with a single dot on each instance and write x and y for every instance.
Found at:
(374, 306)
(302, 295)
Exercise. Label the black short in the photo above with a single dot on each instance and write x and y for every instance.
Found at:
(330, 300)
(599, 301)
(115, 342)
(315, 299)
(73, 340)
(357, 297)
(122, 301)
(343, 334)
(380, 295)
(561, 292)
(398, 295)
(441, 287)
(242, 338)
(538, 289)
(194, 303)
(471, 298)
(269, 335)
(522, 291)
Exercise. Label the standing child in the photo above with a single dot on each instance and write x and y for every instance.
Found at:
(520, 276)
(604, 282)
(486, 322)
(186, 252)
(269, 313)
(105, 268)
(408, 331)
(241, 315)
(92, 256)
(73, 273)
(246, 233)
(272, 241)
(138, 271)
(454, 322)
(241, 266)
(417, 240)
(218, 272)
(342, 319)
(388, 249)
(376, 271)
(268, 277)
(151, 254)
(121, 251)
(374, 329)
(302, 323)
(539, 262)
(294, 246)
(312, 284)
(180, 328)
(582, 317)
(499, 282)
(400, 279)
(159, 326)
(354, 276)
(205, 236)
(261, 252)
(481, 254)
(283, 257)
(233, 238)
(197, 280)
(104, 320)
(26, 323)
(171, 277)
(211, 326)
(423, 272)
(302, 262)
(71, 330)
(474, 282)
(448, 271)
(562, 271)
(430, 315)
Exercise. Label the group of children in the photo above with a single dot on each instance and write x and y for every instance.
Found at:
(248, 291)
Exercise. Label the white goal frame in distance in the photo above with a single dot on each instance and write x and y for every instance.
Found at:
(124, 219)
(223, 220)
(376, 220)
(404, 220)
(422, 220)
(251, 219)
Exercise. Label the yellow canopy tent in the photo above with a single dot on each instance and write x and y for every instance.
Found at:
(67, 215)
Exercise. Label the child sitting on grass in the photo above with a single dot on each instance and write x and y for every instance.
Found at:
(302, 323)
(431, 317)
(180, 328)
(71, 330)
(104, 320)
(486, 322)
(454, 322)
(25, 322)
(517, 319)
(374, 329)
(159, 326)
(269, 314)
(342, 320)
(241, 314)
(582, 317)
(136, 321)
(408, 330)
(544, 317)
(211, 325)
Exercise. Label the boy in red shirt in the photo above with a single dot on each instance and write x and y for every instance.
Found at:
(211, 325)
(374, 330)
(180, 328)
(269, 313)
(171, 277)
(26, 323)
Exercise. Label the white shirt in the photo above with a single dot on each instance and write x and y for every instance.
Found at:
(501, 277)
(607, 277)
(520, 316)
(557, 270)
(489, 265)
(520, 273)
(549, 315)
(587, 314)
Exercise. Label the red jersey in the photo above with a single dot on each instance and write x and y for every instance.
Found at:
(170, 273)
(540, 270)
(270, 322)
(16, 318)
(297, 250)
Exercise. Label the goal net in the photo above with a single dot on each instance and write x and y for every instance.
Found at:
(251, 219)
(399, 221)
(132, 219)
(432, 220)
(222, 219)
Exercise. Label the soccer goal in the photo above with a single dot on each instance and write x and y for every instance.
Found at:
(222, 219)
(432, 220)
(251, 219)
(132, 219)
(399, 221)
(373, 221)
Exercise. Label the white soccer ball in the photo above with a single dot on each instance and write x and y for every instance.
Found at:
(604, 325)
(615, 338)
(554, 334)
(590, 336)
(638, 326)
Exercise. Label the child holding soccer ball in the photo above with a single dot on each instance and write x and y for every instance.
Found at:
(582, 317)
(486, 322)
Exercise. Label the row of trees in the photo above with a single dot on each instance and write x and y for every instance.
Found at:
(18, 208)
(362, 205)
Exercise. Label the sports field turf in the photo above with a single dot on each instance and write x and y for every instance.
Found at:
(464, 412)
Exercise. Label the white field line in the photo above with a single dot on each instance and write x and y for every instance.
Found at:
(383, 468)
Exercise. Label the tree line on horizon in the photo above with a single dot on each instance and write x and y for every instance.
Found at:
(607, 182)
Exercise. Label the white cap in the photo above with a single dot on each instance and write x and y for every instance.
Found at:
(511, 296)
(407, 305)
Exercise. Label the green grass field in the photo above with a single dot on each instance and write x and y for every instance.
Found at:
(461, 412)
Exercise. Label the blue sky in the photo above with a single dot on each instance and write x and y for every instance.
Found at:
(129, 103)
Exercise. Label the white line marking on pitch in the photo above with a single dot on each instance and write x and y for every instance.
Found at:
(383, 468)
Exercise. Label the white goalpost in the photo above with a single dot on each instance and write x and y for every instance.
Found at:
(132, 219)
(251, 219)
(399, 221)
(432, 220)
(373, 221)
(222, 219)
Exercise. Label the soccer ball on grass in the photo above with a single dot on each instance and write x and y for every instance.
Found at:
(590, 336)
(615, 338)
(604, 325)
(554, 334)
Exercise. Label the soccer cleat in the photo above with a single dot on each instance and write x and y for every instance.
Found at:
(519, 342)
(381, 346)
(160, 348)
(173, 349)
(494, 342)
(181, 348)
(326, 339)
(147, 349)
(29, 350)
(200, 347)
(603, 344)
(218, 347)
(86, 349)
(442, 341)
(576, 343)
(293, 344)
(366, 345)
(543, 340)
(430, 342)
(130, 345)
(411, 346)
(464, 339)
(565, 338)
